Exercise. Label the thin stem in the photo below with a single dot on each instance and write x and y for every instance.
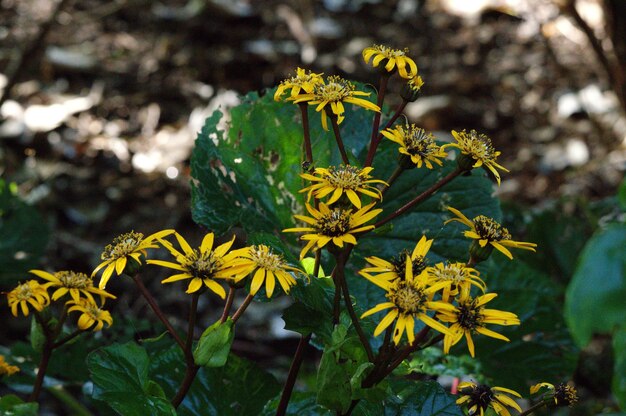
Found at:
(191, 368)
(395, 175)
(308, 150)
(337, 298)
(243, 307)
(155, 308)
(532, 409)
(421, 197)
(346, 297)
(228, 305)
(316, 265)
(192, 321)
(41, 370)
(293, 374)
(393, 118)
(375, 139)
(190, 375)
(342, 150)
(67, 338)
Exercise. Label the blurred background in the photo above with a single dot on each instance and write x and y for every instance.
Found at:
(101, 103)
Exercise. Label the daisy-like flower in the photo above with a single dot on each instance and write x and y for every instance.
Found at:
(479, 397)
(488, 231)
(559, 395)
(391, 58)
(346, 180)
(336, 225)
(409, 300)
(476, 151)
(411, 90)
(6, 368)
(29, 293)
(416, 144)
(267, 267)
(334, 94)
(91, 314)
(202, 265)
(74, 283)
(394, 269)
(471, 317)
(458, 274)
(131, 245)
(303, 81)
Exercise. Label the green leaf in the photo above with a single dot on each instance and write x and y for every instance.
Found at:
(333, 384)
(11, 405)
(595, 297)
(120, 376)
(37, 337)
(300, 404)
(214, 344)
(312, 309)
(619, 369)
(24, 236)
(621, 195)
(426, 398)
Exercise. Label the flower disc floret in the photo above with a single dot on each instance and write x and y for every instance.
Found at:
(127, 246)
(331, 95)
(28, 293)
(336, 225)
(392, 59)
(202, 265)
(416, 144)
(74, 283)
(267, 267)
(343, 180)
(411, 90)
(479, 397)
(479, 149)
(471, 317)
(458, 274)
(488, 231)
(91, 315)
(409, 299)
(303, 81)
(394, 268)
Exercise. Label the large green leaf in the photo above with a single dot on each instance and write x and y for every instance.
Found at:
(426, 398)
(24, 236)
(120, 376)
(595, 296)
(11, 405)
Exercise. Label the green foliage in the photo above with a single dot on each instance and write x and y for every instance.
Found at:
(24, 235)
(120, 376)
(420, 399)
(11, 405)
(214, 344)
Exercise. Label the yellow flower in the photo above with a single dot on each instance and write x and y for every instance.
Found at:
(267, 267)
(202, 265)
(130, 245)
(91, 314)
(458, 274)
(73, 283)
(561, 394)
(478, 398)
(411, 90)
(27, 293)
(487, 231)
(334, 93)
(472, 317)
(479, 149)
(337, 225)
(416, 144)
(303, 81)
(6, 368)
(394, 269)
(409, 300)
(392, 58)
(346, 180)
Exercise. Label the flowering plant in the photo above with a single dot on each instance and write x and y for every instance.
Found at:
(364, 235)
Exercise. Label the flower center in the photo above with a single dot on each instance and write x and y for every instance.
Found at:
(202, 265)
(74, 280)
(565, 395)
(469, 316)
(480, 146)
(122, 246)
(489, 229)
(389, 52)
(480, 395)
(407, 298)
(24, 292)
(453, 272)
(418, 142)
(346, 177)
(419, 263)
(262, 255)
(335, 223)
(336, 90)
